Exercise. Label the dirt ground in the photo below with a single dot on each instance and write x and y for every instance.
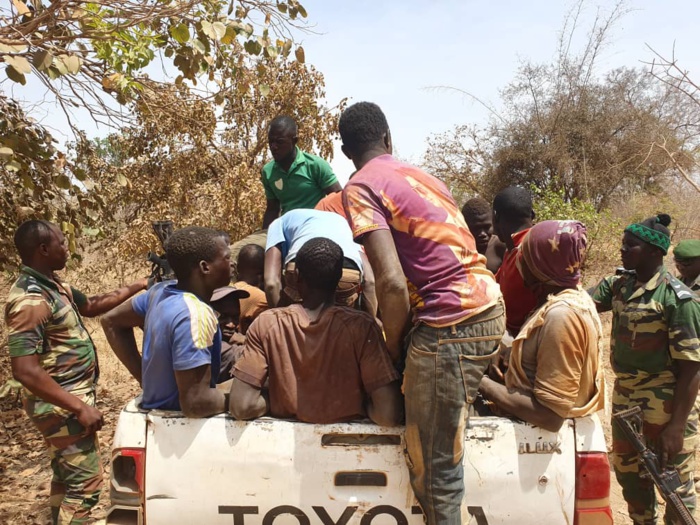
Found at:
(24, 462)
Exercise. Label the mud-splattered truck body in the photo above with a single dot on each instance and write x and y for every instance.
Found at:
(169, 469)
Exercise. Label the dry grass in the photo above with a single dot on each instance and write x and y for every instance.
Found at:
(24, 461)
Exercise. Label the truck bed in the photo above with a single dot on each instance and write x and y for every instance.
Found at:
(222, 471)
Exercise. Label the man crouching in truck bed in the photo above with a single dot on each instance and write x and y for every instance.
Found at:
(325, 363)
(182, 340)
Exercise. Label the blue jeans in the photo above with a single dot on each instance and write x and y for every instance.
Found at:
(443, 369)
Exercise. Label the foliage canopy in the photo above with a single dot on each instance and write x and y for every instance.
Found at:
(566, 129)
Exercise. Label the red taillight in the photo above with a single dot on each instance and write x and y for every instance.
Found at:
(128, 469)
(592, 475)
(592, 505)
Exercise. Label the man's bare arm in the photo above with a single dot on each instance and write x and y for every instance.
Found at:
(197, 398)
(272, 211)
(246, 401)
(103, 303)
(333, 188)
(521, 405)
(28, 371)
(392, 291)
(386, 404)
(369, 292)
(273, 276)
(118, 326)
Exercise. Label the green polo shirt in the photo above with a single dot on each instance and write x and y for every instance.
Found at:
(654, 323)
(300, 187)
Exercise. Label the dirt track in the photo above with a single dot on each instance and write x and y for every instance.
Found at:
(24, 463)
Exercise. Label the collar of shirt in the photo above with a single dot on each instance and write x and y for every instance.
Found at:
(298, 161)
(43, 279)
(651, 284)
(519, 236)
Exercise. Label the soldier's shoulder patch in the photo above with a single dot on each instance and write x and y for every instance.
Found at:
(31, 285)
(681, 290)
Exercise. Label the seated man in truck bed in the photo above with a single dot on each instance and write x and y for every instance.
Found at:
(325, 363)
(555, 371)
(182, 340)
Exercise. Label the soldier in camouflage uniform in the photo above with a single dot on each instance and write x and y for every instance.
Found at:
(686, 255)
(655, 354)
(54, 358)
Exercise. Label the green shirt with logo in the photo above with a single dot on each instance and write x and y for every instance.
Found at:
(300, 187)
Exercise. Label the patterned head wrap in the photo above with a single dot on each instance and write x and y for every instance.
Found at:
(554, 252)
(653, 231)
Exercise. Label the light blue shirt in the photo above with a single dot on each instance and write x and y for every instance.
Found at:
(180, 333)
(295, 227)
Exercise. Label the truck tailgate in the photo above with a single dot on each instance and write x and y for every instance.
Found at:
(219, 470)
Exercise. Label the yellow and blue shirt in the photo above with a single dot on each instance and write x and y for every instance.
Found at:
(180, 332)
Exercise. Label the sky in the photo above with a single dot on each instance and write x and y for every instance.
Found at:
(394, 52)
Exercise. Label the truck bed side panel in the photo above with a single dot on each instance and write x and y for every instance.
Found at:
(222, 471)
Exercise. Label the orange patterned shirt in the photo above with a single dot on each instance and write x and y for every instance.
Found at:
(447, 278)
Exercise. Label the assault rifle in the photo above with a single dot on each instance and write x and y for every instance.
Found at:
(667, 480)
(160, 268)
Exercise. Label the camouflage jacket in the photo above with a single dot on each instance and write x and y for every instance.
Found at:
(42, 318)
(653, 324)
(695, 285)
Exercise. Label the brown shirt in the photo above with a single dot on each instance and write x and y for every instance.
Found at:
(252, 306)
(321, 371)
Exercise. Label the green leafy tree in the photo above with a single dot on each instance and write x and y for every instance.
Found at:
(38, 181)
(198, 161)
(82, 51)
(566, 128)
(95, 56)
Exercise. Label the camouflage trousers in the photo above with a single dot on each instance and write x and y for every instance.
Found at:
(75, 461)
(639, 492)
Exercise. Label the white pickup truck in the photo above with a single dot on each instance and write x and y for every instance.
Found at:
(169, 469)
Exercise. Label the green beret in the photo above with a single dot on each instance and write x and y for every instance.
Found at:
(688, 249)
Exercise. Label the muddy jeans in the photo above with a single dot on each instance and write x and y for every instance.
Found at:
(443, 369)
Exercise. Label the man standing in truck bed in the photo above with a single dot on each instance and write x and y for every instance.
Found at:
(293, 179)
(426, 264)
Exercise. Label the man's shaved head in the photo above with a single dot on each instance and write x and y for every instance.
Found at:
(30, 235)
(251, 257)
(285, 124)
(320, 264)
(361, 126)
(187, 246)
(514, 203)
(477, 214)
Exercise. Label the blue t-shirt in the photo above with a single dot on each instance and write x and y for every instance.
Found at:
(296, 227)
(180, 333)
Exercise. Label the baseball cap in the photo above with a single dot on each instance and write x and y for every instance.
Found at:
(225, 291)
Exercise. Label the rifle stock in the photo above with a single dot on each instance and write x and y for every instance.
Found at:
(667, 480)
